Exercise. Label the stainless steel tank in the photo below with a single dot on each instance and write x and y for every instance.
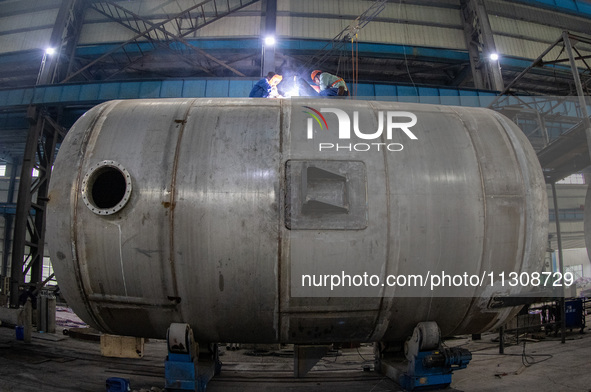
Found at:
(587, 222)
(206, 211)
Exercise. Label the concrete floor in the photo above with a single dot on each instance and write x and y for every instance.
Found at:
(55, 363)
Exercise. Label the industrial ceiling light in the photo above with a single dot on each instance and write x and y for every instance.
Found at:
(269, 40)
(494, 56)
(50, 51)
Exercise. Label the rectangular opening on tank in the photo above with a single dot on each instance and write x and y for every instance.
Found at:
(325, 195)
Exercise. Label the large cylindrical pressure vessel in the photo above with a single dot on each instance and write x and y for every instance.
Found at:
(587, 222)
(237, 216)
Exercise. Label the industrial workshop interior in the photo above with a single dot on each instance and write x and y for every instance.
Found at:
(295, 195)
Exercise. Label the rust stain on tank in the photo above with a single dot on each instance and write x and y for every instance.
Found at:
(168, 204)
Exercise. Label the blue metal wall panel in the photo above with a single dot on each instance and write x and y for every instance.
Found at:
(27, 96)
(221, 44)
(469, 98)
(16, 97)
(150, 90)
(568, 4)
(382, 90)
(52, 93)
(171, 88)
(129, 90)
(193, 88)
(108, 91)
(89, 92)
(365, 90)
(94, 93)
(429, 95)
(71, 94)
(408, 94)
(39, 95)
(584, 7)
(449, 96)
(486, 100)
(576, 7)
(240, 88)
(217, 88)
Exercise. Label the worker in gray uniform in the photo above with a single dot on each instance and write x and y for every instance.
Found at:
(330, 85)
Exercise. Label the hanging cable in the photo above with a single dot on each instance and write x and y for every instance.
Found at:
(404, 52)
(342, 38)
(356, 65)
(354, 81)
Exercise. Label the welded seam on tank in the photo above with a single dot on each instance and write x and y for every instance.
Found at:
(281, 218)
(484, 206)
(121, 260)
(173, 198)
(523, 172)
(525, 179)
(82, 154)
(388, 231)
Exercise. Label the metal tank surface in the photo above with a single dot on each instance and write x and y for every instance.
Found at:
(205, 211)
(587, 222)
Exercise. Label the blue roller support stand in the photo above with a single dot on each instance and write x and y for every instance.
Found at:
(181, 372)
(180, 368)
(186, 368)
(430, 366)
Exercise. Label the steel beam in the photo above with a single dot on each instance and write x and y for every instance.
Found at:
(580, 93)
(480, 43)
(537, 62)
(6, 156)
(64, 38)
(157, 34)
(132, 21)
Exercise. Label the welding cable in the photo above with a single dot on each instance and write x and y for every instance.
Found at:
(528, 359)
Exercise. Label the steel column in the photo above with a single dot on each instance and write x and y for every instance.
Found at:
(560, 262)
(268, 28)
(23, 206)
(46, 160)
(8, 220)
(39, 154)
(480, 43)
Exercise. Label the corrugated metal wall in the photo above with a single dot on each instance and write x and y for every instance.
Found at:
(243, 23)
(438, 25)
(398, 23)
(26, 24)
(525, 39)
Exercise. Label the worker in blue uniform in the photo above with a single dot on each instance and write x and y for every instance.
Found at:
(266, 87)
(330, 85)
